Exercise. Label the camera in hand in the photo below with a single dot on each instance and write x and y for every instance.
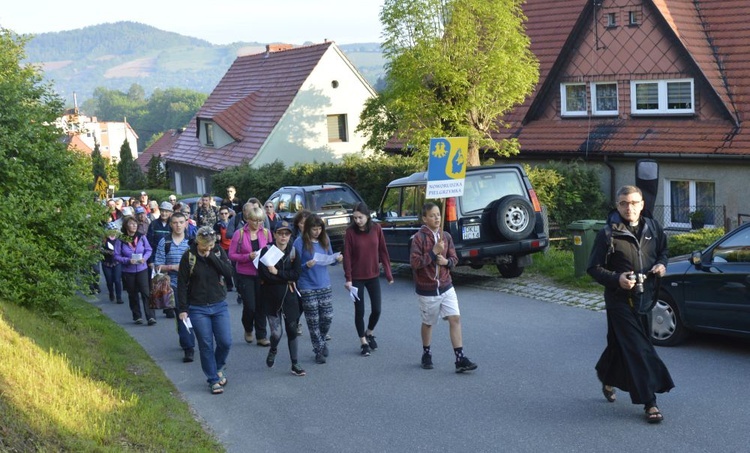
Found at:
(638, 278)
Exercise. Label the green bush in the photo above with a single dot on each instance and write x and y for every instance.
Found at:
(685, 243)
(51, 222)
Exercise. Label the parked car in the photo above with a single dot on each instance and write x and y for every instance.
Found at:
(193, 202)
(332, 201)
(707, 291)
(497, 221)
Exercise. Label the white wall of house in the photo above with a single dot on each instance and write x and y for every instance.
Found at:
(117, 133)
(333, 88)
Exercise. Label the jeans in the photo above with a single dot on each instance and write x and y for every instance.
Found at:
(187, 338)
(211, 322)
(113, 277)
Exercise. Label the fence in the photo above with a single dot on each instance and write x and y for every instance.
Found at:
(694, 217)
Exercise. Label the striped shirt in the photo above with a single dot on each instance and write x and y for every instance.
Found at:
(173, 257)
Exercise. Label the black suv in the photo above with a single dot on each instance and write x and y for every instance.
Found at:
(333, 202)
(498, 220)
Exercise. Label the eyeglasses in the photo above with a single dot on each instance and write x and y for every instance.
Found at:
(205, 233)
(284, 233)
(625, 204)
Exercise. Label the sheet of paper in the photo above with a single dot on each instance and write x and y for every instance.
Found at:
(188, 324)
(110, 246)
(136, 256)
(272, 256)
(353, 292)
(256, 260)
(323, 259)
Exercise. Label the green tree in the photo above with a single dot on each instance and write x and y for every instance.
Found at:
(156, 177)
(128, 171)
(454, 67)
(48, 255)
(98, 165)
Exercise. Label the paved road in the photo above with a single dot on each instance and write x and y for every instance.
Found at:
(535, 389)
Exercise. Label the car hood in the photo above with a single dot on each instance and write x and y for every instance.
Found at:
(678, 265)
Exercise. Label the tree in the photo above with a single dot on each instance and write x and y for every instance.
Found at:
(98, 165)
(45, 256)
(128, 171)
(454, 68)
(156, 177)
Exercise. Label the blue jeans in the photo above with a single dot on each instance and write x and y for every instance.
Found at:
(113, 277)
(212, 322)
(187, 338)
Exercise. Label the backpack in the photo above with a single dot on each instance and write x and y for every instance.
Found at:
(162, 295)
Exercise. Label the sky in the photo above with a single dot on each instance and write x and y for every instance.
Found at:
(216, 21)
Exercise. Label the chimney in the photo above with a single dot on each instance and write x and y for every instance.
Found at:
(277, 47)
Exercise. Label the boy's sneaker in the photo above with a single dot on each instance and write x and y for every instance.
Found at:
(151, 321)
(427, 361)
(365, 350)
(138, 321)
(465, 365)
(271, 358)
(297, 370)
(319, 358)
(371, 341)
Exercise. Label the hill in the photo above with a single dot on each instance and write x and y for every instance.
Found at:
(117, 55)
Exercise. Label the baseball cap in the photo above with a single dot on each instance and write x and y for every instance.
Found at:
(139, 210)
(144, 193)
(284, 225)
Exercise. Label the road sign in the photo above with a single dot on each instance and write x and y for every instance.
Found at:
(446, 168)
(100, 187)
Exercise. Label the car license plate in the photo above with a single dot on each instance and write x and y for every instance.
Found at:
(338, 221)
(470, 232)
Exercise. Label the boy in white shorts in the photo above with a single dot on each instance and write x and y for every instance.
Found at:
(432, 255)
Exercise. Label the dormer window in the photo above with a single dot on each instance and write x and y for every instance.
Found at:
(633, 18)
(611, 20)
(573, 99)
(662, 97)
(209, 128)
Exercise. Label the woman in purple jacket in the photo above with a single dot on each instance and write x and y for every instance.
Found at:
(132, 250)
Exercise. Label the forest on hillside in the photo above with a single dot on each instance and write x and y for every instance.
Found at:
(117, 55)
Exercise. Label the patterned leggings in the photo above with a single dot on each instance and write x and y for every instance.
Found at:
(318, 307)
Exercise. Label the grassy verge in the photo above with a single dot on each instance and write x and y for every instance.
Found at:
(556, 265)
(86, 385)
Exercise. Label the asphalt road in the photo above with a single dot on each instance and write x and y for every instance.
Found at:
(535, 389)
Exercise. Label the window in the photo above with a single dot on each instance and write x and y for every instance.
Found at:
(684, 197)
(573, 99)
(611, 20)
(177, 182)
(337, 128)
(634, 17)
(662, 97)
(736, 249)
(209, 127)
(604, 98)
(200, 184)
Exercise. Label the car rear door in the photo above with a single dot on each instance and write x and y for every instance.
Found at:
(400, 214)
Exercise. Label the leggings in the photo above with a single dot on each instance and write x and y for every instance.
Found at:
(373, 290)
(318, 306)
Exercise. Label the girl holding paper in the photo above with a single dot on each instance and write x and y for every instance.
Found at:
(244, 250)
(364, 251)
(132, 250)
(315, 284)
(278, 293)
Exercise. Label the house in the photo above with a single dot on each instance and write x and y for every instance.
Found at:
(290, 104)
(622, 80)
(159, 148)
(84, 132)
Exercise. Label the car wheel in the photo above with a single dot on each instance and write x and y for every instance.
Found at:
(513, 217)
(667, 328)
(510, 270)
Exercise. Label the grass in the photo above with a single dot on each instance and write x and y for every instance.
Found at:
(557, 265)
(86, 385)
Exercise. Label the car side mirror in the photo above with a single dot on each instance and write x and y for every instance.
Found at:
(696, 258)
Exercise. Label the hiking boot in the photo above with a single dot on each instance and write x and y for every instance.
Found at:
(365, 350)
(139, 321)
(248, 337)
(151, 321)
(465, 365)
(271, 358)
(169, 313)
(297, 370)
(319, 358)
(427, 361)
(371, 342)
(189, 354)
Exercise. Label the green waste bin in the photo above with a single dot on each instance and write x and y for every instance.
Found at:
(583, 232)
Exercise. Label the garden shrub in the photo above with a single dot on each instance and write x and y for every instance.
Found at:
(682, 244)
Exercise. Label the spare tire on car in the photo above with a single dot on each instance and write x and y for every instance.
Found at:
(512, 217)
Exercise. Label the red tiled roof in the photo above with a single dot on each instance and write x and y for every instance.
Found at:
(159, 147)
(75, 142)
(247, 103)
(714, 36)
